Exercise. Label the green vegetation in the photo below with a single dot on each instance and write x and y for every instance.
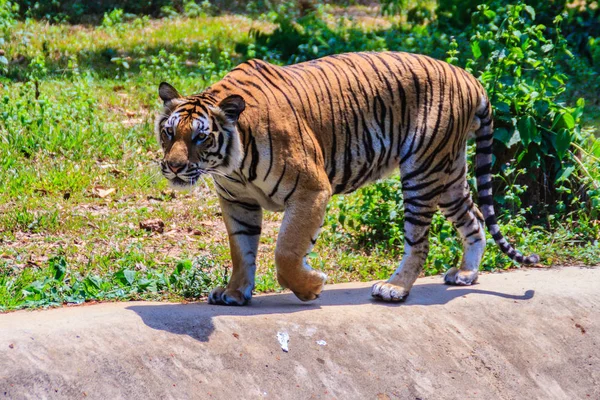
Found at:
(78, 156)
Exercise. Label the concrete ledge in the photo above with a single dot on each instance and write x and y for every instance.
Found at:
(518, 335)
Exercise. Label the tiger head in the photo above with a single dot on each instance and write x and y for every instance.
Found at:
(198, 135)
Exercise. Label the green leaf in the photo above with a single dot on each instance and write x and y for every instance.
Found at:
(516, 138)
(181, 266)
(485, 47)
(501, 135)
(517, 34)
(502, 107)
(490, 14)
(564, 121)
(580, 107)
(58, 268)
(518, 53)
(508, 138)
(540, 107)
(530, 11)
(528, 131)
(565, 173)
(148, 285)
(547, 47)
(92, 284)
(562, 142)
(129, 276)
(125, 277)
(476, 49)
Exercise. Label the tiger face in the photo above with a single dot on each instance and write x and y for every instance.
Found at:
(197, 135)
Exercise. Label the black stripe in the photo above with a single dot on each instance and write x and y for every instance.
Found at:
(486, 200)
(483, 169)
(416, 242)
(279, 180)
(250, 229)
(293, 190)
(484, 186)
(254, 162)
(476, 231)
(491, 221)
(416, 222)
(486, 123)
(484, 138)
(484, 150)
(247, 206)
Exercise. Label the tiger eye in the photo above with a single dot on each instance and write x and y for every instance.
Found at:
(164, 136)
(200, 137)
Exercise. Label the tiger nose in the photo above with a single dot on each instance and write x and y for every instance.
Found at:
(175, 166)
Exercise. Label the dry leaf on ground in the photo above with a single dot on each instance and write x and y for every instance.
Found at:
(153, 225)
(102, 193)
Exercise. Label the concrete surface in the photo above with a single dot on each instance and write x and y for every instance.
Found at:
(527, 334)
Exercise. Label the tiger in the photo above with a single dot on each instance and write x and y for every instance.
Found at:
(288, 138)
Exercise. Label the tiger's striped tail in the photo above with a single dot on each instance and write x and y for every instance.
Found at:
(484, 138)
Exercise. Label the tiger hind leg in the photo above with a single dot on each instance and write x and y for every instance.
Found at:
(458, 207)
(419, 207)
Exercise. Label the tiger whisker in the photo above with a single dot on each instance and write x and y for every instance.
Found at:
(204, 182)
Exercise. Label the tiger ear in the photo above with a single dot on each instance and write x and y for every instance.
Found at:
(167, 92)
(232, 106)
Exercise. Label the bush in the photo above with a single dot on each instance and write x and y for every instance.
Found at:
(85, 11)
(517, 64)
(305, 33)
(8, 12)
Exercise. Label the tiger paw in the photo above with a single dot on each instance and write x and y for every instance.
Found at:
(460, 277)
(229, 297)
(306, 287)
(389, 292)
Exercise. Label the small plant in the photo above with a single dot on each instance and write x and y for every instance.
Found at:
(192, 9)
(168, 11)
(393, 7)
(163, 64)
(193, 279)
(452, 52)
(114, 18)
(370, 218)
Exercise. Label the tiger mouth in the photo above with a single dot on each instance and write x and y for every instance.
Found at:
(177, 181)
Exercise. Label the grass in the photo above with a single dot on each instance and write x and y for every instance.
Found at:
(79, 174)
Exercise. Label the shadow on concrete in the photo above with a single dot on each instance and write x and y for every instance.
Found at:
(195, 319)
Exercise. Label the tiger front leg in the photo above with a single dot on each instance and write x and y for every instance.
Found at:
(303, 219)
(243, 222)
